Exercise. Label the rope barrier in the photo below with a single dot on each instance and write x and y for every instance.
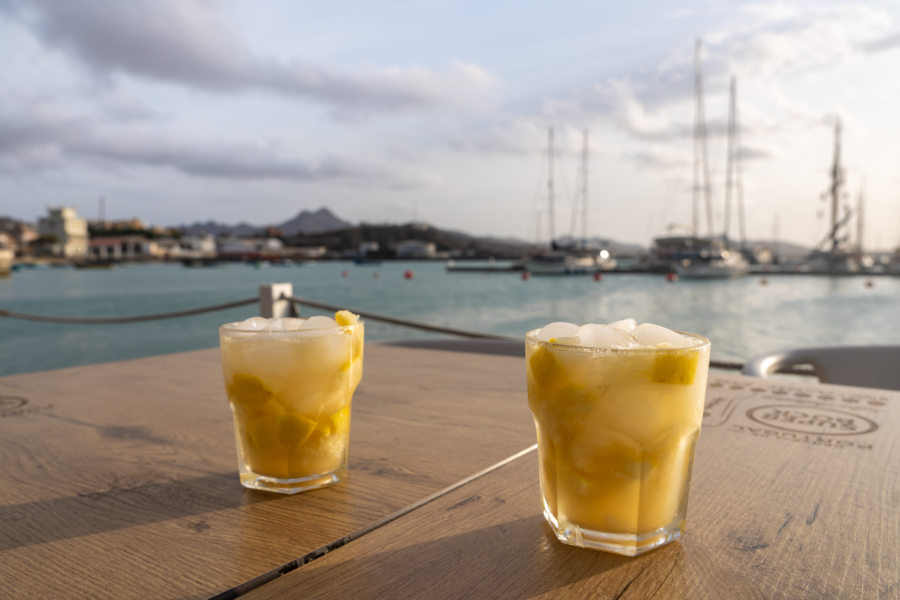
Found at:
(401, 322)
(133, 319)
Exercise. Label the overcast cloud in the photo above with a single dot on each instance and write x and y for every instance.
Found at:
(194, 44)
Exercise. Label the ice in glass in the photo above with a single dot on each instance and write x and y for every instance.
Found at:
(290, 383)
(617, 410)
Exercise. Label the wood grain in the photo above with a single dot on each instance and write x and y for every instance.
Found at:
(120, 478)
(792, 497)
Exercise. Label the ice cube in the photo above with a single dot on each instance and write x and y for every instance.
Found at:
(275, 325)
(648, 334)
(292, 324)
(603, 336)
(557, 329)
(319, 322)
(253, 324)
(625, 325)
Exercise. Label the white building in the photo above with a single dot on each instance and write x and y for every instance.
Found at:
(249, 246)
(415, 249)
(129, 247)
(65, 232)
(366, 248)
(196, 246)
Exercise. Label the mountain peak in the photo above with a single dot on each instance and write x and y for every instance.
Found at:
(307, 222)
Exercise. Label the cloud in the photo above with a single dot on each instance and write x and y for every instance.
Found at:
(235, 161)
(887, 42)
(195, 45)
(767, 44)
(511, 136)
(656, 157)
(43, 137)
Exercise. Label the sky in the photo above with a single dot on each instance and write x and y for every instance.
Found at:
(178, 111)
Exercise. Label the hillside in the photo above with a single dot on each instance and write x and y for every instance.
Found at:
(386, 236)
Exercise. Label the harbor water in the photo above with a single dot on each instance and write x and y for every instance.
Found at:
(743, 317)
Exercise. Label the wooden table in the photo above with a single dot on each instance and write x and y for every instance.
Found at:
(119, 480)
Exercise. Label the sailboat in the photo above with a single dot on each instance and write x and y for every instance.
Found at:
(832, 256)
(692, 256)
(570, 257)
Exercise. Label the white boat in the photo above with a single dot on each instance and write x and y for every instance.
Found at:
(692, 257)
(714, 262)
(569, 262)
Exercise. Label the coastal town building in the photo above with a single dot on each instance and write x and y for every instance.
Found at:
(7, 253)
(308, 252)
(19, 235)
(415, 249)
(366, 248)
(249, 248)
(63, 233)
(129, 247)
(194, 246)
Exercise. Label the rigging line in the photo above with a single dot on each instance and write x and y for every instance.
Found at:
(132, 319)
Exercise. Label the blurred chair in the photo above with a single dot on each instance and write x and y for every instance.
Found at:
(503, 347)
(866, 366)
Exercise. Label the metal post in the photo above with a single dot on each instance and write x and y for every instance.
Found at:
(270, 302)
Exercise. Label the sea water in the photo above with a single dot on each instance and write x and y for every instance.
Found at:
(743, 317)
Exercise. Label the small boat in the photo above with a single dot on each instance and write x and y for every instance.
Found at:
(94, 264)
(200, 262)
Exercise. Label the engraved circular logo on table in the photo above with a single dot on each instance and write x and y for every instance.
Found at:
(811, 419)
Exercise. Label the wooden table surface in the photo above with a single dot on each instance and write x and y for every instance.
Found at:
(120, 480)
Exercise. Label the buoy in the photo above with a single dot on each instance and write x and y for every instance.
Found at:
(345, 273)
(526, 275)
(407, 274)
(375, 275)
(763, 281)
(598, 276)
(869, 283)
(671, 277)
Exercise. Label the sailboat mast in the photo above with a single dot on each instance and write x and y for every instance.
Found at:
(550, 183)
(738, 175)
(729, 162)
(859, 217)
(837, 179)
(695, 188)
(584, 189)
(701, 162)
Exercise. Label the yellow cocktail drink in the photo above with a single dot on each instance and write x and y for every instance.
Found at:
(290, 383)
(618, 411)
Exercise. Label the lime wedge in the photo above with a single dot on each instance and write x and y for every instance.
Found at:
(676, 369)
